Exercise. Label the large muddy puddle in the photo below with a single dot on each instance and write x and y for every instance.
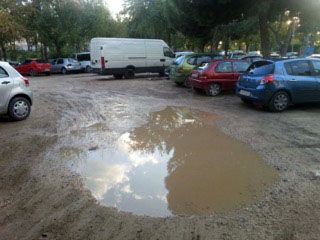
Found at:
(178, 163)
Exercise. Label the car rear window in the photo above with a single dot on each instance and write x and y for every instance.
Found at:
(192, 60)
(262, 70)
(241, 67)
(179, 60)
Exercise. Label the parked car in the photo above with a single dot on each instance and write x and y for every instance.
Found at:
(15, 94)
(65, 65)
(124, 57)
(218, 76)
(314, 56)
(252, 58)
(237, 55)
(182, 67)
(33, 67)
(84, 60)
(179, 54)
(277, 85)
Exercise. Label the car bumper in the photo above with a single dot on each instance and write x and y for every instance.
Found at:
(261, 94)
(199, 84)
(74, 68)
(179, 78)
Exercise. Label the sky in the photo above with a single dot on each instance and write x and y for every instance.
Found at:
(115, 6)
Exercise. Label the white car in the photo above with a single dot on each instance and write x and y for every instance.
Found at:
(84, 60)
(15, 95)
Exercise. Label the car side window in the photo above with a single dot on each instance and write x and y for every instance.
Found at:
(203, 59)
(298, 68)
(241, 67)
(3, 73)
(316, 67)
(192, 60)
(60, 61)
(224, 67)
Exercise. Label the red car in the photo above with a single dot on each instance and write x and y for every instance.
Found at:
(33, 67)
(218, 76)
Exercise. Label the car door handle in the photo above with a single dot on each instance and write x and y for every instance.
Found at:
(5, 82)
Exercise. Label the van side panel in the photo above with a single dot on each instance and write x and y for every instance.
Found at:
(144, 55)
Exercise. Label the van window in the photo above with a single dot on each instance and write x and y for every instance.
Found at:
(83, 57)
(298, 68)
(224, 67)
(3, 73)
(168, 53)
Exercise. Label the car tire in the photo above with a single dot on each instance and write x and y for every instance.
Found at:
(118, 76)
(279, 102)
(88, 69)
(48, 73)
(180, 84)
(32, 73)
(19, 109)
(214, 90)
(64, 71)
(129, 74)
(246, 101)
(187, 83)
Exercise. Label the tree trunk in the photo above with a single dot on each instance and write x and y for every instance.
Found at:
(264, 34)
(4, 52)
(226, 46)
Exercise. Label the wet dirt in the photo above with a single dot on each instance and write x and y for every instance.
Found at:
(77, 116)
(179, 163)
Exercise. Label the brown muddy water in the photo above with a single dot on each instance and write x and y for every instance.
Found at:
(178, 163)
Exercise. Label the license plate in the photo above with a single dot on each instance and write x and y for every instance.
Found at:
(245, 93)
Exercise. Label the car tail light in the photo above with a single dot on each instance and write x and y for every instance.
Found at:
(267, 79)
(25, 81)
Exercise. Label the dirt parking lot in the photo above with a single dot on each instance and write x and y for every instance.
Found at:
(47, 191)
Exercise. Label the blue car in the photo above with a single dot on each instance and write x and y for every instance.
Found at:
(277, 85)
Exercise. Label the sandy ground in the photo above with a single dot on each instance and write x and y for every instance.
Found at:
(41, 198)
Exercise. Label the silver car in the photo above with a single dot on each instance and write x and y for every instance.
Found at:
(65, 65)
(15, 95)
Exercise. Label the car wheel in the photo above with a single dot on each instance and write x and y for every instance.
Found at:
(180, 84)
(48, 73)
(214, 90)
(88, 69)
(64, 71)
(118, 76)
(32, 73)
(187, 83)
(129, 74)
(279, 102)
(246, 101)
(19, 109)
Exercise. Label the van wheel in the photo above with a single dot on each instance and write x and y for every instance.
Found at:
(129, 74)
(162, 73)
(279, 102)
(214, 90)
(118, 76)
(19, 109)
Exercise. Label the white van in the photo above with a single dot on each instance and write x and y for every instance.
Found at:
(125, 57)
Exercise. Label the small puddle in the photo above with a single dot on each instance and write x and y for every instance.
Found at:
(179, 163)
